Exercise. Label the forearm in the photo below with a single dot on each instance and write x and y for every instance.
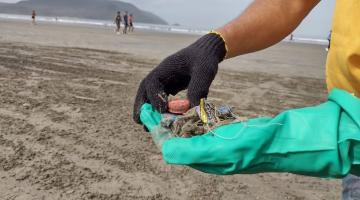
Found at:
(264, 23)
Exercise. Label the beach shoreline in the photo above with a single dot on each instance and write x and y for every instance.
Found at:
(180, 29)
(284, 59)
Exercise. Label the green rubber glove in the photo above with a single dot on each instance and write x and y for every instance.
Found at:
(321, 141)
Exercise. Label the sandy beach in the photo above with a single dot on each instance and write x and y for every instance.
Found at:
(66, 132)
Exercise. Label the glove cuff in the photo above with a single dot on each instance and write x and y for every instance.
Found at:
(214, 44)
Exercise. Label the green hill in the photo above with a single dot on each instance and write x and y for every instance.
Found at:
(88, 9)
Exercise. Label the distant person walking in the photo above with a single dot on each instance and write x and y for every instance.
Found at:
(329, 39)
(33, 16)
(126, 22)
(131, 25)
(118, 22)
(291, 37)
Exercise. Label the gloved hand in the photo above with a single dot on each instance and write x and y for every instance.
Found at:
(193, 67)
(320, 141)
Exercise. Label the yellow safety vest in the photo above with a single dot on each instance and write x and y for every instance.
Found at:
(343, 61)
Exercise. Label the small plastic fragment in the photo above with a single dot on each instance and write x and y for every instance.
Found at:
(179, 106)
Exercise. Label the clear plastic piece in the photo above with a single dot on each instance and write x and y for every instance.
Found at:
(160, 134)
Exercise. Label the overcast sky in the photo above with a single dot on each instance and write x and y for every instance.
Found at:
(209, 14)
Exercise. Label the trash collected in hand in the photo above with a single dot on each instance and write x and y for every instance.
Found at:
(197, 120)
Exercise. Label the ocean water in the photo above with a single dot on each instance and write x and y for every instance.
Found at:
(144, 26)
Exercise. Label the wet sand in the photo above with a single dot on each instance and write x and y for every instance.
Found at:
(65, 115)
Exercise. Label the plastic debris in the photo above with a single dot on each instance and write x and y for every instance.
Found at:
(198, 120)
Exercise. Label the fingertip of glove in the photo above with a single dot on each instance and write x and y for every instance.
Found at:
(194, 102)
(161, 107)
(136, 116)
(145, 128)
(160, 102)
(138, 121)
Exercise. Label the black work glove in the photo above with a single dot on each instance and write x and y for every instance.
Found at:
(193, 67)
